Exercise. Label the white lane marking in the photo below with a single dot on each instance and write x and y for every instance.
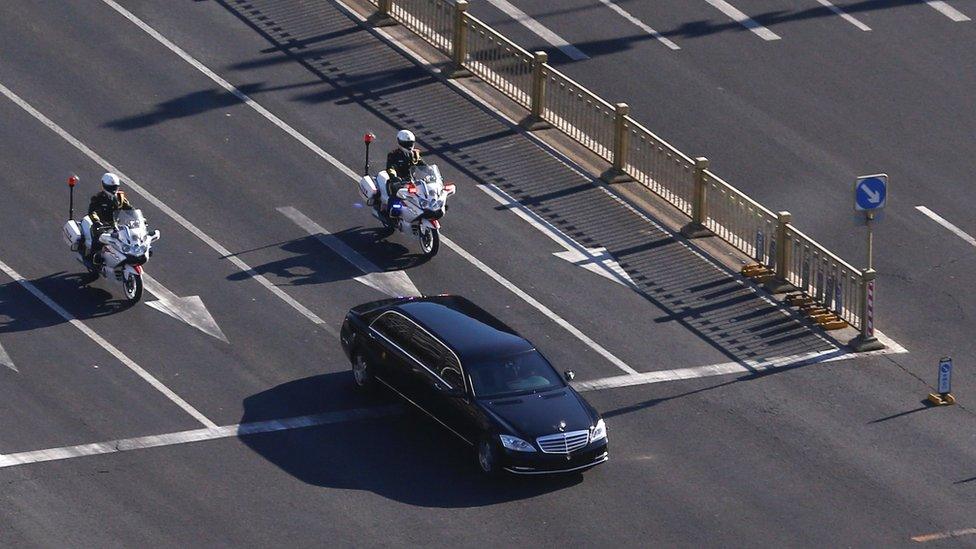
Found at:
(945, 535)
(539, 29)
(6, 360)
(726, 368)
(224, 252)
(129, 363)
(190, 309)
(736, 15)
(538, 306)
(354, 176)
(195, 435)
(952, 228)
(392, 283)
(947, 10)
(846, 16)
(230, 88)
(640, 24)
(596, 260)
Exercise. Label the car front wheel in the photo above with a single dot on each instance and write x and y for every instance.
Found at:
(487, 456)
(362, 374)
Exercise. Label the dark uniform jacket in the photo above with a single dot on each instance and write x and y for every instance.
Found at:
(103, 206)
(400, 161)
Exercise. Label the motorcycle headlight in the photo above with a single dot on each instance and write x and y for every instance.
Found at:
(126, 248)
(516, 444)
(598, 432)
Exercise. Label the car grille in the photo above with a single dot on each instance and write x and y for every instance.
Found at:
(563, 443)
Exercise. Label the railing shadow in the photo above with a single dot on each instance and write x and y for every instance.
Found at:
(731, 315)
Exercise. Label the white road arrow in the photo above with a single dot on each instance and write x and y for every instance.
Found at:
(6, 361)
(392, 283)
(188, 309)
(596, 260)
(873, 196)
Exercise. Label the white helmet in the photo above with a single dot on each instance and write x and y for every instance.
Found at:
(406, 139)
(110, 182)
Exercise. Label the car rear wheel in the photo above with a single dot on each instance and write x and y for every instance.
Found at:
(487, 456)
(362, 374)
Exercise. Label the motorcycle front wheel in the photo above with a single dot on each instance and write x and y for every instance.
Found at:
(430, 240)
(132, 284)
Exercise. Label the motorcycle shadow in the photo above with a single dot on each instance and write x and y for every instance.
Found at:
(387, 251)
(77, 293)
(310, 261)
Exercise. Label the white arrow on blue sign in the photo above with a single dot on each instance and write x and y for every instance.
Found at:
(871, 192)
(945, 375)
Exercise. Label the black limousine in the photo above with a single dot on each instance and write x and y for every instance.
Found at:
(479, 379)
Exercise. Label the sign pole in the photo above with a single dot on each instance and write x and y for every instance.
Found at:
(870, 197)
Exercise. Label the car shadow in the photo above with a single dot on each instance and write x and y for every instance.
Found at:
(404, 457)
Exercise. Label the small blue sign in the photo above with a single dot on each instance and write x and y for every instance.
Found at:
(945, 375)
(871, 192)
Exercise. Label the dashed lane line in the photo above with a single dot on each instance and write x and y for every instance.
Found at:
(952, 228)
(845, 16)
(539, 29)
(736, 15)
(196, 435)
(182, 221)
(947, 10)
(640, 24)
(354, 176)
(128, 362)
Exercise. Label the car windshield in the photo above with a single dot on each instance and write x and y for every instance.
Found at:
(523, 373)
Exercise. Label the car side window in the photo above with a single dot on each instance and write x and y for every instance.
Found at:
(395, 328)
(437, 358)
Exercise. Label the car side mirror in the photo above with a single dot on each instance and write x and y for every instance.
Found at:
(569, 375)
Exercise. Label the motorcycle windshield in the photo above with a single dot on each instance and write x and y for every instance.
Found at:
(429, 177)
(132, 219)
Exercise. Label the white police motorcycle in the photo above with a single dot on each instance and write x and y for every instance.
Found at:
(125, 249)
(420, 204)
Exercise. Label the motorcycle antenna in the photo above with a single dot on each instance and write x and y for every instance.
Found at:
(368, 138)
(72, 181)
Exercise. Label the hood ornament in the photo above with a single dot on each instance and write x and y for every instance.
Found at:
(562, 425)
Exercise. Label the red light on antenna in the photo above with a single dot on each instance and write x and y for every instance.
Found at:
(368, 138)
(72, 180)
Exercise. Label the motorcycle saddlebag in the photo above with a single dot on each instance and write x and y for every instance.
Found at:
(368, 189)
(72, 235)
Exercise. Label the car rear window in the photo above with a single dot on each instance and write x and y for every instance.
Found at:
(523, 373)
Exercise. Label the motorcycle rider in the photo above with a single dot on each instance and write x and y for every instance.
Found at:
(398, 164)
(101, 211)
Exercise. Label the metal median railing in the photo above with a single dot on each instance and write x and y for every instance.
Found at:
(714, 206)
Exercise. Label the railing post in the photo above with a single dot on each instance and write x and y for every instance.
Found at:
(696, 228)
(537, 102)
(459, 41)
(866, 341)
(616, 173)
(780, 283)
(382, 17)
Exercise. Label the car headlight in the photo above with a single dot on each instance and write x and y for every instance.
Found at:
(599, 432)
(516, 444)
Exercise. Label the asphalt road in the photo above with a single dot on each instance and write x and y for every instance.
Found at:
(792, 122)
(825, 454)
